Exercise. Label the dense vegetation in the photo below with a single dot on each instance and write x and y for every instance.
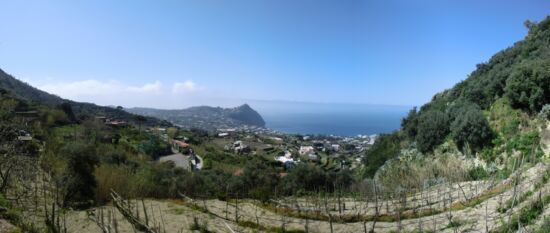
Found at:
(482, 112)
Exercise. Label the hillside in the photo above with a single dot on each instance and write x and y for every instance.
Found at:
(492, 110)
(474, 159)
(205, 117)
(81, 110)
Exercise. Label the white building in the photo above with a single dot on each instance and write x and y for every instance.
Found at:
(306, 150)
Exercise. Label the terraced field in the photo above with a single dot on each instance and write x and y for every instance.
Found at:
(479, 206)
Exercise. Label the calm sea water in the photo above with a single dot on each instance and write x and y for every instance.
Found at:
(342, 121)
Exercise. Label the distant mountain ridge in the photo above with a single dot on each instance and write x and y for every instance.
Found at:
(206, 117)
(27, 92)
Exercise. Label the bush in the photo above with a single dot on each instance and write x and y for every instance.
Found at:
(470, 128)
(78, 179)
(527, 87)
(409, 124)
(433, 127)
(386, 146)
(545, 112)
(478, 173)
(155, 147)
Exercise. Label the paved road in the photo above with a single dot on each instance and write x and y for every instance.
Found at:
(179, 160)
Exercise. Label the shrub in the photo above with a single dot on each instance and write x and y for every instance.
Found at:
(545, 112)
(527, 87)
(409, 124)
(433, 127)
(471, 128)
(478, 173)
(78, 179)
(386, 146)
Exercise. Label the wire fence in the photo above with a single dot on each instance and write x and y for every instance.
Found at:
(480, 206)
(476, 207)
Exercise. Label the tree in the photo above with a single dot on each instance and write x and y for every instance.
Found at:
(386, 147)
(305, 177)
(470, 128)
(78, 179)
(172, 132)
(529, 24)
(68, 110)
(409, 124)
(433, 127)
(140, 120)
(528, 86)
(456, 108)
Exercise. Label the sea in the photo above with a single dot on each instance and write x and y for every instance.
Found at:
(332, 119)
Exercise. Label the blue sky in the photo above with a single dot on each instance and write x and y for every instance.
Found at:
(172, 54)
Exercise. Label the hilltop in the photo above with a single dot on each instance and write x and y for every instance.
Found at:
(81, 110)
(205, 117)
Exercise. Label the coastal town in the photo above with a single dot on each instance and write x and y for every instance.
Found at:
(329, 151)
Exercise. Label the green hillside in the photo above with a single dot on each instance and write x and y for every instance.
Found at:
(499, 105)
(27, 92)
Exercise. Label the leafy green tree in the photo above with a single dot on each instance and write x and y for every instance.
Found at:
(528, 87)
(409, 124)
(386, 146)
(433, 127)
(456, 108)
(172, 132)
(68, 110)
(155, 147)
(140, 120)
(470, 128)
(78, 179)
(305, 177)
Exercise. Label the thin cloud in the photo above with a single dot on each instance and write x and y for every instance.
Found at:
(155, 87)
(185, 87)
(113, 92)
(82, 88)
(91, 87)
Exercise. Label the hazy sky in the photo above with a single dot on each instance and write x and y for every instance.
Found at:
(172, 54)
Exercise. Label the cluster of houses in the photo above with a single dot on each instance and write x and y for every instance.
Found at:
(295, 148)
